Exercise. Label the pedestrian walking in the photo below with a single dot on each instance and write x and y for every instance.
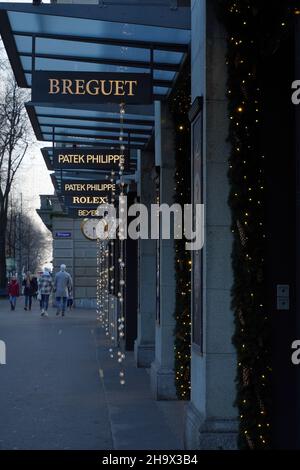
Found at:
(35, 287)
(13, 292)
(45, 285)
(70, 300)
(29, 287)
(62, 288)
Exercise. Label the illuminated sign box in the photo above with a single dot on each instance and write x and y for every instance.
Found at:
(78, 212)
(99, 188)
(86, 200)
(87, 193)
(91, 87)
(89, 159)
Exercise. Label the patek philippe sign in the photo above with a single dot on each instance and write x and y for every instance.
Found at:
(91, 88)
(89, 159)
(95, 188)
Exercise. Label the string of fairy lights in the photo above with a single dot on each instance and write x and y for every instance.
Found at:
(180, 103)
(111, 314)
(121, 260)
(251, 38)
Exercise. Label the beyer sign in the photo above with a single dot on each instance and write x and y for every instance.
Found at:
(82, 212)
(91, 88)
(89, 159)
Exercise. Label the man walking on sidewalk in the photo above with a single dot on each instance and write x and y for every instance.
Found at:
(62, 287)
(45, 286)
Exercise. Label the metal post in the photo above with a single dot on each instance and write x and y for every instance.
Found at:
(33, 53)
(151, 62)
(128, 145)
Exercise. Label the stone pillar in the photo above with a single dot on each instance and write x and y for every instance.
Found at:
(211, 421)
(162, 369)
(144, 344)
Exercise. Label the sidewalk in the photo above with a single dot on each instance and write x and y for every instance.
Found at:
(60, 389)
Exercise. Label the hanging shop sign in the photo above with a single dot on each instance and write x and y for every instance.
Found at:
(78, 212)
(89, 159)
(91, 88)
(86, 200)
(90, 188)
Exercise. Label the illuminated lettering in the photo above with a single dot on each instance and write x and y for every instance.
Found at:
(88, 88)
(120, 88)
(79, 87)
(89, 199)
(89, 187)
(103, 91)
(86, 213)
(131, 83)
(67, 86)
(54, 86)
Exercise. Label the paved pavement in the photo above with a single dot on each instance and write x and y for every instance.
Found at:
(60, 389)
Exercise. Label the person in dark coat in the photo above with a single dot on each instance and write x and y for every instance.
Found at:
(29, 286)
(62, 288)
(13, 292)
(35, 284)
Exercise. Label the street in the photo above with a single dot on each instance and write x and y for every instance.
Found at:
(60, 389)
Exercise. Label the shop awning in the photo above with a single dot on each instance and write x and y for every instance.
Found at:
(91, 127)
(142, 37)
(114, 38)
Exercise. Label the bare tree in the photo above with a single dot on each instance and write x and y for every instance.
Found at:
(14, 141)
(28, 243)
(32, 243)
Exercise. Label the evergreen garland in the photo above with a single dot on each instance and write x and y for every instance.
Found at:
(180, 103)
(255, 28)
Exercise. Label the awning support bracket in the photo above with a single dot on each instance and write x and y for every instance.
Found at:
(151, 62)
(33, 53)
(53, 137)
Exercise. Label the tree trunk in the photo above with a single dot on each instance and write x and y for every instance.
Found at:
(3, 224)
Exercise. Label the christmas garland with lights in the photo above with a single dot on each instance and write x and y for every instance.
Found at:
(180, 103)
(255, 29)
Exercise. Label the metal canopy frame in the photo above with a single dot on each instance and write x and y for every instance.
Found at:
(162, 55)
(136, 137)
(160, 17)
(154, 13)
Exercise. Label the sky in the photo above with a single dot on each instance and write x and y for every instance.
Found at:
(33, 178)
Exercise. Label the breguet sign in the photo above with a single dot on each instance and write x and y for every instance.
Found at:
(89, 159)
(91, 87)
